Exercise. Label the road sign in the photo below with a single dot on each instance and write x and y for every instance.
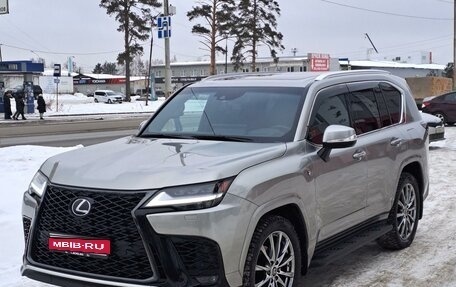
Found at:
(164, 27)
(57, 70)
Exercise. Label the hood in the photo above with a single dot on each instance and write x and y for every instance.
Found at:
(139, 164)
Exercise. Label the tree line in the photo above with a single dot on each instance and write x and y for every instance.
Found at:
(249, 23)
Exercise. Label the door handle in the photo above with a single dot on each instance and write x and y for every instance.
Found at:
(359, 155)
(396, 142)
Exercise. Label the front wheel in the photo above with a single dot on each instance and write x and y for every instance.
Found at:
(274, 257)
(403, 215)
(109, 101)
(441, 116)
(96, 101)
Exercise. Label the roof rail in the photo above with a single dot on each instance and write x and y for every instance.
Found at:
(232, 76)
(337, 74)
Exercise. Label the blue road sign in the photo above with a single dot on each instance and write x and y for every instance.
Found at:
(164, 27)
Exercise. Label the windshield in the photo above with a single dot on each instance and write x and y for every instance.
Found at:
(111, 94)
(253, 114)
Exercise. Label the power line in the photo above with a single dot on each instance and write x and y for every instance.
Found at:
(387, 13)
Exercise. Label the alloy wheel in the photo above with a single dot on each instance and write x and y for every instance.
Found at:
(275, 265)
(406, 214)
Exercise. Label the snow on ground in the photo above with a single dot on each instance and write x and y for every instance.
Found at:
(79, 104)
(429, 262)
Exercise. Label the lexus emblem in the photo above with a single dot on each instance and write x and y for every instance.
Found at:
(81, 207)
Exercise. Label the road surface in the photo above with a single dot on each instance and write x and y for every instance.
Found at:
(67, 132)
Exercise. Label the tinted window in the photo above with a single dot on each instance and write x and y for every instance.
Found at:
(385, 119)
(450, 97)
(329, 111)
(364, 111)
(256, 114)
(393, 101)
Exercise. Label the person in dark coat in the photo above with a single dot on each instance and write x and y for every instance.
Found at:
(7, 105)
(41, 106)
(20, 105)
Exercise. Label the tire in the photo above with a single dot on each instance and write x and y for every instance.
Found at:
(109, 101)
(404, 227)
(274, 230)
(96, 101)
(441, 116)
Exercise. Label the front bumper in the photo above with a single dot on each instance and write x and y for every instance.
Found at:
(195, 248)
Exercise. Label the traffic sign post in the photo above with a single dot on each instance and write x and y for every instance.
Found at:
(57, 74)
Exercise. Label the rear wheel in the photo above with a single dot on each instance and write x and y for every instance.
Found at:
(96, 101)
(274, 257)
(403, 215)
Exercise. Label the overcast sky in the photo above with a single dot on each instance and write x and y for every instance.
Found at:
(57, 29)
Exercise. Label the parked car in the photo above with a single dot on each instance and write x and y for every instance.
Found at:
(234, 181)
(150, 97)
(107, 96)
(443, 106)
(123, 96)
(435, 126)
(20, 90)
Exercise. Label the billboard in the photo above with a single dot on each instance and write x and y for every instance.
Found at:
(4, 7)
(319, 62)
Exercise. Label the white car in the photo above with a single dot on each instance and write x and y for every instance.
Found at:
(107, 96)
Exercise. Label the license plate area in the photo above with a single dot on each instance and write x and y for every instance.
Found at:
(89, 247)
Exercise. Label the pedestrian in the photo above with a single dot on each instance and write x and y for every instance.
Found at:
(41, 106)
(7, 105)
(20, 105)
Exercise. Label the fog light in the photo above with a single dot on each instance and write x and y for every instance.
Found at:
(207, 280)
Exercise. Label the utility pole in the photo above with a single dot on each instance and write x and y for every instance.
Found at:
(167, 57)
(226, 54)
(454, 46)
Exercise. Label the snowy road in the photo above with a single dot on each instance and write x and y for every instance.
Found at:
(430, 261)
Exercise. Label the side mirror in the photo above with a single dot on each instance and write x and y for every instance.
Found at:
(336, 136)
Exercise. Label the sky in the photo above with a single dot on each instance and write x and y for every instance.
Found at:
(55, 30)
(429, 262)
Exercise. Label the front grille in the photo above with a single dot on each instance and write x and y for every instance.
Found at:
(201, 257)
(109, 218)
(26, 222)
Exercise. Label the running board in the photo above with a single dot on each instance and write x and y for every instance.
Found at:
(333, 249)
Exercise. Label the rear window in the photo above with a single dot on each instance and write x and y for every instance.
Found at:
(393, 101)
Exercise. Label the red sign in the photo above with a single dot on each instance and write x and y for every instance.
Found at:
(77, 245)
(319, 62)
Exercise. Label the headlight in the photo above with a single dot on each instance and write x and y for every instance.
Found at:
(38, 184)
(191, 197)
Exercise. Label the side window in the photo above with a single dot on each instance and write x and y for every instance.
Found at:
(99, 94)
(364, 111)
(393, 101)
(330, 110)
(385, 119)
(451, 98)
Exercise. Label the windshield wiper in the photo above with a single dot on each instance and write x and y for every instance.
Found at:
(222, 138)
(166, 136)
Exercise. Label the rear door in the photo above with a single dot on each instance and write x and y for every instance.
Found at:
(376, 110)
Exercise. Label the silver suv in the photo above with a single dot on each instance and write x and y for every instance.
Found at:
(236, 180)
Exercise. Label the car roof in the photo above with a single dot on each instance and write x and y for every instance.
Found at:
(290, 79)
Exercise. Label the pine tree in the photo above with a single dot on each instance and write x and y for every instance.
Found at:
(133, 16)
(218, 18)
(98, 69)
(257, 25)
(109, 68)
